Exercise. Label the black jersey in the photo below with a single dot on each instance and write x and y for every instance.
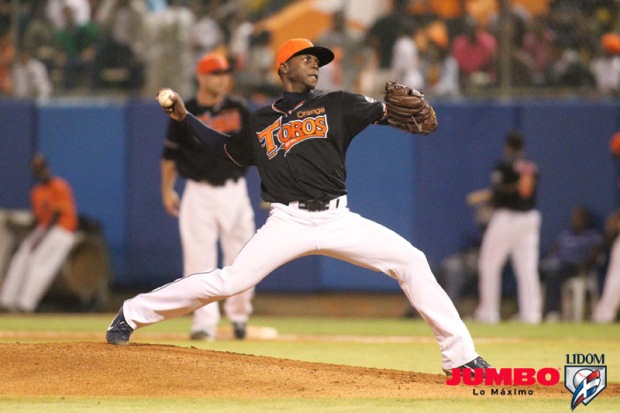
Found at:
(194, 161)
(300, 154)
(505, 179)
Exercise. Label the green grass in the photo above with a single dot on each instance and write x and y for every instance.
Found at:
(483, 405)
(504, 345)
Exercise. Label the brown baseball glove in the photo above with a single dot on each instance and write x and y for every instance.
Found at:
(407, 110)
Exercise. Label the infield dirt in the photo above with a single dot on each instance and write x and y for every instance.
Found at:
(145, 370)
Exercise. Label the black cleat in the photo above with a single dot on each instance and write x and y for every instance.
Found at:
(201, 336)
(119, 331)
(477, 363)
(239, 329)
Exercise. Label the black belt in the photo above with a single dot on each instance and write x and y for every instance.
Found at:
(315, 205)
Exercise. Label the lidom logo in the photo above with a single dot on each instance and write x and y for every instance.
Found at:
(585, 377)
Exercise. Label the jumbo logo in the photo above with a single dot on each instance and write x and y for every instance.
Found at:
(507, 376)
(279, 136)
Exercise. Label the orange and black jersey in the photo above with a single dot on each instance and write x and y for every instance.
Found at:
(193, 160)
(300, 148)
(508, 179)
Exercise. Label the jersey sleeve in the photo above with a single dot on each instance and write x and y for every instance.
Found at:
(171, 143)
(359, 111)
(239, 146)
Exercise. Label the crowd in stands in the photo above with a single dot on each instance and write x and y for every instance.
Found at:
(134, 47)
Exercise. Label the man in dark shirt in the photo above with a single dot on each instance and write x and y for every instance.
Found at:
(299, 145)
(215, 201)
(514, 230)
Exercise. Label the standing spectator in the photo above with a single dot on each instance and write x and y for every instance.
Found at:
(608, 305)
(215, 203)
(75, 51)
(475, 52)
(441, 71)
(537, 43)
(405, 66)
(567, 69)
(7, 56)
(206, 34)
(513, 231)
(576, 250)
(122, 43)
(57, 16)
(385, 31)
(258, 72)
(30, 77)
(379, 40)
(241, 28)
(169, 56)
(41, 254)
(606, 68)
(339, 37)
(38, 35)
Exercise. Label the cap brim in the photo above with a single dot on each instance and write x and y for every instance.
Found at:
(322, 53)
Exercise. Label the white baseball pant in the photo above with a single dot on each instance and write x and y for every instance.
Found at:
(607, 307)
(209, 213)
(32, 271)
(514, 234)
(290, 233)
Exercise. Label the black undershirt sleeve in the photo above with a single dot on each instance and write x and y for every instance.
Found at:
(211, 139)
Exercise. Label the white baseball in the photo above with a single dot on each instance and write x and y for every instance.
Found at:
(164, 98)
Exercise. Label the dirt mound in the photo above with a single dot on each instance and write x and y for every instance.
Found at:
(99, 369)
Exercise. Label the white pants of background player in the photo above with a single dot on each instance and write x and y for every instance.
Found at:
(290, 233)
(209, 213)
(515, 235)
(32, 271)
(607, 307)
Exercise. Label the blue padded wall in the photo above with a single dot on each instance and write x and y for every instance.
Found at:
(153, 243)
(85, 142)
(17, 140)
(415, 185)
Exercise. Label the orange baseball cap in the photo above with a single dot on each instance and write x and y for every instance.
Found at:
(212, 63)
(614, 143)
(611, 43)
(295, 47)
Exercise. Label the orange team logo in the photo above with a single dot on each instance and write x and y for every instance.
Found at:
(226, 121)
(278, 136)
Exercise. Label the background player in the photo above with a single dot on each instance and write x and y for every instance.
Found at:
(215, 201)
(299, 145)
(513, 231)
(42, 253)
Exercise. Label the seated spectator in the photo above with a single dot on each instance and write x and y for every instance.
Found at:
(119, 56)
(576, 250)
(475, 52)
(30, 77)
(606, 68)
(40, 255)
(75, 51)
